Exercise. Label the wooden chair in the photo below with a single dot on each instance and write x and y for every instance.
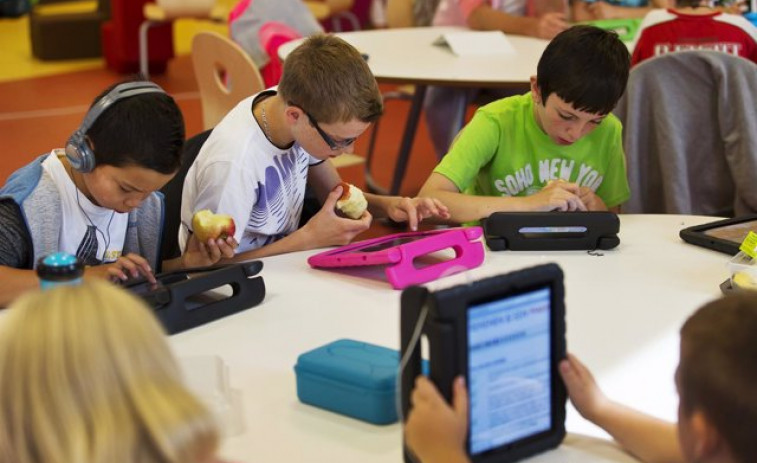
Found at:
(225, 75)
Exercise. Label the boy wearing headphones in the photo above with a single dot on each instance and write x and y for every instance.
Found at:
(97, 198)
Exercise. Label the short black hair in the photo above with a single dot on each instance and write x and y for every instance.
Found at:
(145, 130)
(587, 67)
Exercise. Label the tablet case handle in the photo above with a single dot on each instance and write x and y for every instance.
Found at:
(468, 254)
(412, 301)
(441, 340)
(247, 292)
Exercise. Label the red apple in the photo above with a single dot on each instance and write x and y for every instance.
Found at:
(208, 226)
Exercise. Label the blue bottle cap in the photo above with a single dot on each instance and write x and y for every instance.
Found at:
(59, 266)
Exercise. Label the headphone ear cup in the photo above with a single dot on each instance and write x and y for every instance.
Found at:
(79, 155)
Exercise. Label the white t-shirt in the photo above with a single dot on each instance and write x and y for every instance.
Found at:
(241, 173)
(92, 233)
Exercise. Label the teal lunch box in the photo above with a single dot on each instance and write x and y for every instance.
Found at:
(353, 378)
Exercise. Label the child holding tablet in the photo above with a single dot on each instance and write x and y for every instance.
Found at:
(717, 412)
(715, 380)
(557, 147)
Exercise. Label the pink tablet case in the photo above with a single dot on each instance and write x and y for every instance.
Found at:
(400, 269)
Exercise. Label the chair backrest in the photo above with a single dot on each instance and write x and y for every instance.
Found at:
(186, 8)
(690, 134)
(225, 75)
(172, 192)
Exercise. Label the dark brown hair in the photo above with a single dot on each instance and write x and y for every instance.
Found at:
(587, 67)
(717, 374)
(328, 78)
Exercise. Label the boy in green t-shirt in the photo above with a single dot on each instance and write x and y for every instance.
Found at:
(555, 148)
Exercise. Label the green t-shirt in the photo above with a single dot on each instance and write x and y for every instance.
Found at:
(503, 152)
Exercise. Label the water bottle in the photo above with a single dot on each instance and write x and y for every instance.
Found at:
(59, 268)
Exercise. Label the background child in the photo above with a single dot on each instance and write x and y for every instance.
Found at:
(445, 107)
(97, 199)
(590, 10)
(715, 378)
(257, 161)
(694, 26)
(86, 375)
(555, 148)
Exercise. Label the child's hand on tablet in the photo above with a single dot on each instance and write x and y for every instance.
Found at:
(435, 431)
(591, 200)
(582, 388)
(557, 195)
(414, 210)
(125, 267)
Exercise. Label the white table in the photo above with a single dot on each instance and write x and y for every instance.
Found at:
(408, 56)
(624, 309)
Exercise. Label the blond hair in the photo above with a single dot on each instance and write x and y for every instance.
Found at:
(86, 376)
(328, 78)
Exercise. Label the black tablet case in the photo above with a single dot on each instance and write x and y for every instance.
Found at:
(180, 304)
(696, 235)
(446, 330)
(502, 231)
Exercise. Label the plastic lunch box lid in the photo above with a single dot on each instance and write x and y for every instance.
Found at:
(352, 362)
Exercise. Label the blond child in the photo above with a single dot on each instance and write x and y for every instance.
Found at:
(86, 376)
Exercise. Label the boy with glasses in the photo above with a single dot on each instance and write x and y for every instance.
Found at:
(257, 161)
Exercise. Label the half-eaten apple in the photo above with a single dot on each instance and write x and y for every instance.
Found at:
(352, 203)
(209, 226)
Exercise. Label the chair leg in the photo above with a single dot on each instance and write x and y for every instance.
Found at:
(369, 181)
(144, 66)
(371, 184)
(336, 20)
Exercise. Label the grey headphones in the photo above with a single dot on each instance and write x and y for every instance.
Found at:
(78, 152)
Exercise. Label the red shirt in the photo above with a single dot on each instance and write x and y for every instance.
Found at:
(666, 31)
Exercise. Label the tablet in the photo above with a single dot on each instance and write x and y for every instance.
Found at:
(723, 235)
(403, 254)
(552, 231)
(185, 299)
(506, 334)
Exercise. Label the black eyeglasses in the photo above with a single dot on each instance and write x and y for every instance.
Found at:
(333, 144)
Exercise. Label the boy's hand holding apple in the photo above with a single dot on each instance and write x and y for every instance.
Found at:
(212, 239)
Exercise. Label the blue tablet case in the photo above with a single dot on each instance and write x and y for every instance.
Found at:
(350, 377)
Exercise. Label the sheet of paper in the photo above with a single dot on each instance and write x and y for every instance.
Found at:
(477, 43)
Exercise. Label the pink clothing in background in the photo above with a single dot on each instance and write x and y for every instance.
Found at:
(456, 12)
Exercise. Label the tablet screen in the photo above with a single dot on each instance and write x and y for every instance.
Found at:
(388, 242)
(145, 287)
(509, 372)
(735, 232)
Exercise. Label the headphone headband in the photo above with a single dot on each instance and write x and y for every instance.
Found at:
(119, 92)
(78, 152)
